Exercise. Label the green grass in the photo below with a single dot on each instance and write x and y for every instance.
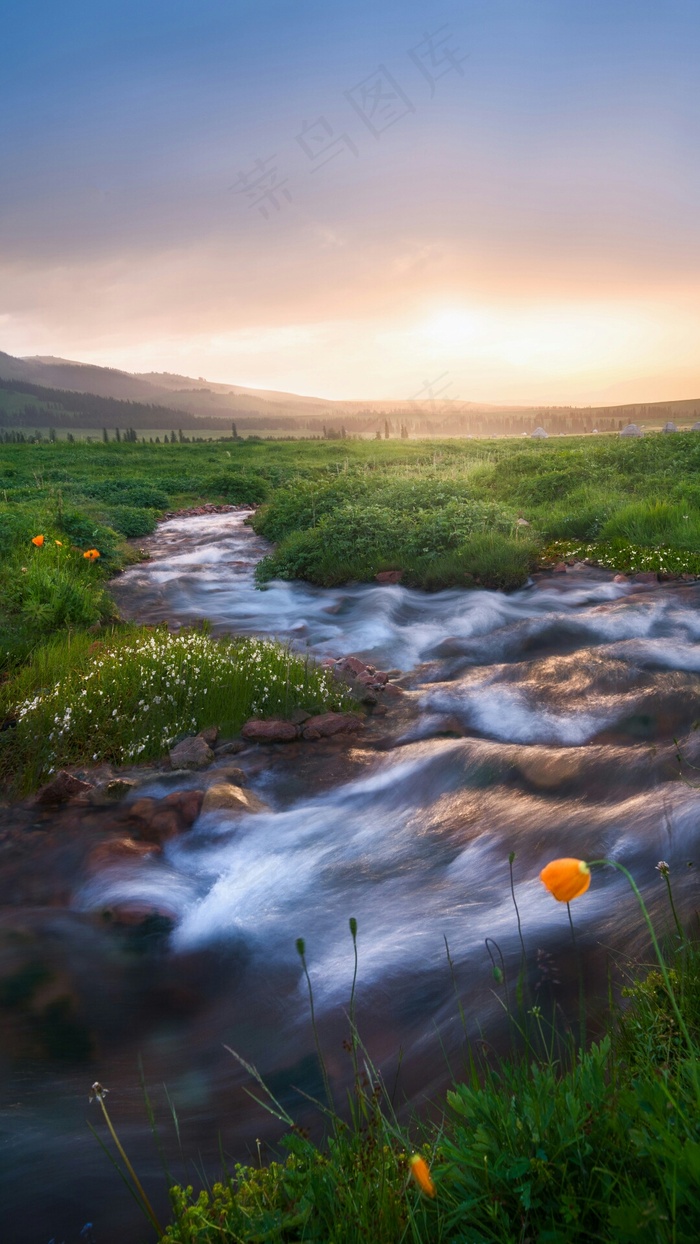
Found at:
(448, 513)
(557, 1145)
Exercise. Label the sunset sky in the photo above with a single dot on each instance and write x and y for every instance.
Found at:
(353, 200)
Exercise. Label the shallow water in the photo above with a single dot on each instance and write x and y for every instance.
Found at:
(542, 724)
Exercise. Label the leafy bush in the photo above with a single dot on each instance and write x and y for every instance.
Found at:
(487, 560)
(386, 527)
(236, 488)
(86, 533)
(131, 521)
(127, 492)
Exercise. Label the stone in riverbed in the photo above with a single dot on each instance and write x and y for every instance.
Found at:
(389, 576)
(118, 788)
(232, 748)
(392, 692)
(272, 731)
(61, 788)
(187, 804)
(351, 665)
(225, 797)
(117, 851)
(328, 724)
(191, 753)
(646, 576)
(228, 773)
(210, 735)
(161, 825)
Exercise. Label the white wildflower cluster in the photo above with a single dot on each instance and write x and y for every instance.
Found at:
(636, 557)
(138, 697)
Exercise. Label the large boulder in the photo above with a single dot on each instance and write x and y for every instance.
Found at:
(272, 731)
(191, 753)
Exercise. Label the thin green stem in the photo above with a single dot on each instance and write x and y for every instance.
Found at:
(137, 1182)
(523, 955)
(581, 991)
(353, 1028)
(324, 1074)
(662, 965)
(677, 922)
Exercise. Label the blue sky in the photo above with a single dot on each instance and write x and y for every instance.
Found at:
(523, 215)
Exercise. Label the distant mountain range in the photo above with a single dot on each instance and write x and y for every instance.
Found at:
(163, 400)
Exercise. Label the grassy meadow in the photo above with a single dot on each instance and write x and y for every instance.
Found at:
(445, 513)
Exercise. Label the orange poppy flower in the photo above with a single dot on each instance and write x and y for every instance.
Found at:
(566, 879)
(38, 541)
(421, 1173)
(92, 554)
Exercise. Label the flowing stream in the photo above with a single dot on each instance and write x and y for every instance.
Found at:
(540, 723)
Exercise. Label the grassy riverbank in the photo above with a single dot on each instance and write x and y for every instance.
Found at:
(470, 513)
(133, 693)
(559, 1144)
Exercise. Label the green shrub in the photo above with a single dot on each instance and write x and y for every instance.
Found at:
(127, 492)
(236, 488)
(493, 561)
(131, 521)
(86, 533)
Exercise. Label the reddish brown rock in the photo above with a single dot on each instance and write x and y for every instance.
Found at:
(187, 803)
(272, 731)
(389, 576)
(162, 825)
(191, 753)
(134, 914)
(327, 724)
(392, 692)
(621, 578)
(61, 788)
(210, 735)
(141, 809)
(560, 568)
(117, 851)
(352, 665)
(646, 576)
